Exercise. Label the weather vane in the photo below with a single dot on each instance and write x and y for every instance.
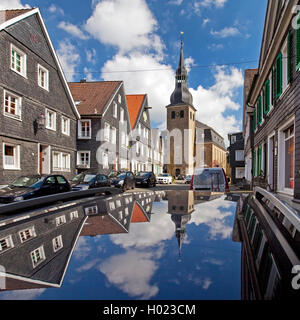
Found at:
(181, 36)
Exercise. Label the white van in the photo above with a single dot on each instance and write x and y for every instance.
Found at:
(209, 179)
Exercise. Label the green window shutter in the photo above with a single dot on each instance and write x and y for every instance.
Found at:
(278, 75)
(259, 111)
(254, 120)
(289, 51)
(298, 45)
(267, 97)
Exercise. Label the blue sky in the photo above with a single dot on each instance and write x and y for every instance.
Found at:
(104, 39)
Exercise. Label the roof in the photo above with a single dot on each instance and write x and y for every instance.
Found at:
(211, 135)
(92, 97)
(135, 104)
(138, 214)
(10, 17)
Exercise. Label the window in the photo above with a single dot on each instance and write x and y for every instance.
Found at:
(60, 220)
(267, 97)
(6, 243)
(298, 45)
(37, 256)
(259, 111)
(113, 135)
(239, 155)
(27, 234)
(43, 77)
(65, 126)
(11, 159)
(182, 114)
(289, 154)
(285, 62)
(50, 120)
(105, 160)
(12, 105)
(239, 173)
(73, 215)
(254, 120)
(233, 139)
(106, 132)
(120, 98)
(61, 180)
(57, 243)
(83, 159)
(123, 139)
(61, 161)
(84, 129)
(278, 75)
(115, 109)
(18, 61)
(122, 115)
(173, 114)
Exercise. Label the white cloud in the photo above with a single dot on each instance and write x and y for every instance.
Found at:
(176, 2)
(73, 30)
(189, 62)
(204, 283)
(69, 58)
(215, 46)
(127, 24)
(12, 4)
(205, 22)
(91, 55)
(216, 3)
(131, 272)
(82, 249)
(55, 9)
(226, 32)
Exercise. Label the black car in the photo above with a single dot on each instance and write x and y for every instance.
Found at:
(145, 179)
(125, 180)
(27, 187)
(85, 181)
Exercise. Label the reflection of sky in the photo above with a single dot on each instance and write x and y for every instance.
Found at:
(144, 264)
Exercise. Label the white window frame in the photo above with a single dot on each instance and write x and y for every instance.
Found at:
(115, 110)
(240, 169)
(281, 157)
(41, 251)
(50, 113)
(23, 61)
(46, 80)
(59, 221)
(32, 234)
(16, 165)
(233, 139)
(57, 243)
(18, 107)
(9, 243)
(284, 52)
(119, 98)
(79, 163)
(122, 114)
(67, 121)
(106, 132)
(60, 166)
(239, 152)
(74, 215)
(80, 136)
(113, 135)
(123, 139)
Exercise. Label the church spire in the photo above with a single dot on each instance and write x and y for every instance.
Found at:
(181, 94)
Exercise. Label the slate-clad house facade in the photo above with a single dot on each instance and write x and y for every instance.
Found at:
(274, 98)
(38, 116)
(236, 157)
(141, 156)
(103, 130)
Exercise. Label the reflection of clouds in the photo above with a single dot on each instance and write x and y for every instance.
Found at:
(213, 214)
(88, 265)
(214, 261)
(147, 234)
(30, 294)
(82, 249)
(131, 272)
(204, 283)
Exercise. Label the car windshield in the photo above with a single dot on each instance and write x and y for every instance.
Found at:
(143, 174)
(38, 183)
(25, 182)
(209, 178)
(121, 176)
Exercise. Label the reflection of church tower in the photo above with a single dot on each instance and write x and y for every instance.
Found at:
(181, 116)
(181, 207)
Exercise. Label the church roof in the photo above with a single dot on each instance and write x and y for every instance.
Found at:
(135, 103)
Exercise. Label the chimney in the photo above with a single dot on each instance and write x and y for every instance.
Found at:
(83, 80)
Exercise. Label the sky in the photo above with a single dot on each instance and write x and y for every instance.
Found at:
(138, 41)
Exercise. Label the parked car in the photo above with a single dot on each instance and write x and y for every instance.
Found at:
(164, 178)
(188, 179)
(180, 177)
(125, 180)
(85, 181)
(147, 179)
(33, 186)
(211, 179)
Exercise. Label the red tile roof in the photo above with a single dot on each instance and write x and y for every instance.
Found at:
(93, 96)
(134, 103)
(138, 214)
(10, 14)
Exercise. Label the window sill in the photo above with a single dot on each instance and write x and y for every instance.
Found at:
(85, 138)
(46, 89)
(12, 169)
(19, 73)
(52, 129)
(12, 116)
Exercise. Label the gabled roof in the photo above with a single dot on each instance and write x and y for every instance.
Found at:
(10, 17)
(138, 214)
(135, 103)
(93, 97)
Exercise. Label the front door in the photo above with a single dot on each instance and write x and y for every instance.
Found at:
(44, 159)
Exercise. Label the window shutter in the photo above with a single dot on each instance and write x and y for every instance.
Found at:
(254, 120)
(273, 86)
(267, 97)
(259, 110)
(289, 50)
(298, 44)
(278, 75)
(254, 163)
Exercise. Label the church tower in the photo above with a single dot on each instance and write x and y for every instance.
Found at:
(181, 122)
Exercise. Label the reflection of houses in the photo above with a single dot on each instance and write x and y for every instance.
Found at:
(205, 196)
(181, 207)
(114, 215)
(36, 251)
(270, 235)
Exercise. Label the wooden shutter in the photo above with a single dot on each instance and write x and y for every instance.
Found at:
(298, 44)
(259, 111)
(254, 120)
(278, 75)
(289, 51)
(267, 97)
